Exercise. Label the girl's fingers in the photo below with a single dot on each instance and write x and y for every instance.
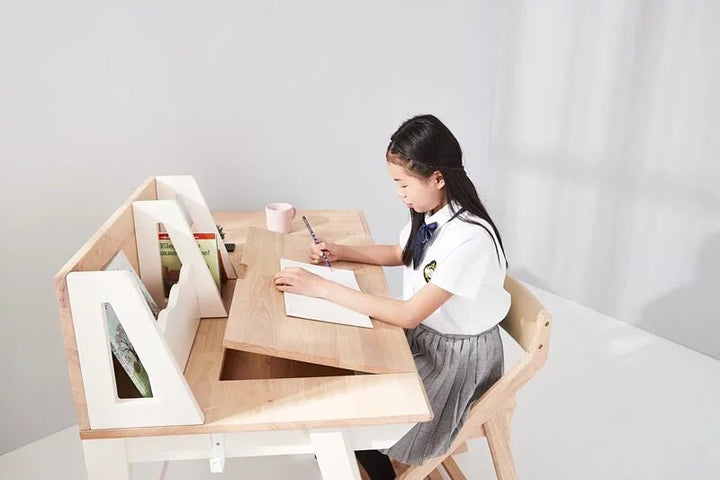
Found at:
(282, 278)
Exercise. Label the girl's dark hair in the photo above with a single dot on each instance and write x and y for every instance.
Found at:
(422, 145)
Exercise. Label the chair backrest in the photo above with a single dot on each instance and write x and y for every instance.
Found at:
(527, 322)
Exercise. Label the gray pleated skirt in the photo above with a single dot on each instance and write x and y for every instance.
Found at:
(456, 370)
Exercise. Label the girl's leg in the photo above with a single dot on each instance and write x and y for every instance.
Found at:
(376, 464)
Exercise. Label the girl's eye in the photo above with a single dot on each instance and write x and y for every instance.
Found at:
(403, 186)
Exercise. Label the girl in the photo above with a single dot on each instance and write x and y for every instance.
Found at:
(453, 296)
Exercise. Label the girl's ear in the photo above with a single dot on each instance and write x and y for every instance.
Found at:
(439, 179)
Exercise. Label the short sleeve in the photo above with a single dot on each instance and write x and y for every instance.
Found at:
(462, 272)
(404, 234)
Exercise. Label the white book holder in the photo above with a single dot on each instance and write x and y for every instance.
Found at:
(147, 215)
(162, 345)
(172, 402)
(185, 190)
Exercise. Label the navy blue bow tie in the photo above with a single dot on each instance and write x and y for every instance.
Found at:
(422, 237)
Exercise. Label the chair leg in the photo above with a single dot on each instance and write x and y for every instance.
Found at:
(399, 467)
(452, 469)
(461, 449)
(435, 475)
(498, 436)
(509, 410)
(421, 471)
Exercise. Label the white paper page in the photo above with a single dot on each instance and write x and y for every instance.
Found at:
(319, 308)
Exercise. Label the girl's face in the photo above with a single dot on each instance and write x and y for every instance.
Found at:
(420, 194)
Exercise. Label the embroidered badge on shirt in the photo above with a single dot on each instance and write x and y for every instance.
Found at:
(428, 270)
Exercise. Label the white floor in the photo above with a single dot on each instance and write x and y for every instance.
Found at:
(612, 402)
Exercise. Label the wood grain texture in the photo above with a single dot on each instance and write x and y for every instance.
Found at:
(257, 320)
(116, 234)
(256, 403)
(435, 475)
(498, 436)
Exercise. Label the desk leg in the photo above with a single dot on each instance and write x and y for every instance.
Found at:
(335, 455)
(106, 459)
(158, 470)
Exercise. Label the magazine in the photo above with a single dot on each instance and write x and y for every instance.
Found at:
(171, 264)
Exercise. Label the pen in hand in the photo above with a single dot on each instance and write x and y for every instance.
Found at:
(315, 239)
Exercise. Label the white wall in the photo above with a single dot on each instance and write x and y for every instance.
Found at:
(260, 101)
(605, 158)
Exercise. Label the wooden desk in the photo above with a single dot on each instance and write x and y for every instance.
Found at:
(264, 399)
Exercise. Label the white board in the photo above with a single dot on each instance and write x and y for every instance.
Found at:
(318, 308)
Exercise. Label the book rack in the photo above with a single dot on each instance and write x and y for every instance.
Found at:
(209, 401)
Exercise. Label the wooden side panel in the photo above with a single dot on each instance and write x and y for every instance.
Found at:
(118, 233)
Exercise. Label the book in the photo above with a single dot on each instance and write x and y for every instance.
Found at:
(171, 264)
(318, 308)
(120, 345)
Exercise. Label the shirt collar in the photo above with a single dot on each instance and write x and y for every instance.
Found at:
(441, 216)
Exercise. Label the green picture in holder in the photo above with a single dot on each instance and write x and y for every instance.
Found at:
(126, 356)
(122, 349)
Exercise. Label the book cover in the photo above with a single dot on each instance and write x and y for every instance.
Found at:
(120, 345)
(171, 264)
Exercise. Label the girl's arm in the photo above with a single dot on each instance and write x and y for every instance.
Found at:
(387, 255)
(404, 313)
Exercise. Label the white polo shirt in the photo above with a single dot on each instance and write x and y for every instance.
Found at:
(461, 258)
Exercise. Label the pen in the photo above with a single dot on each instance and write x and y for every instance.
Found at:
(314, 237)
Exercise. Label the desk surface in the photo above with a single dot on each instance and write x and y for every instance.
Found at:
(320, 399)
(257, 321)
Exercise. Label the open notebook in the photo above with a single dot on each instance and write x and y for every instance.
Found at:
(319, 308)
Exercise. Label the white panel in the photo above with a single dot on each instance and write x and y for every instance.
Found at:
(147, 215)
(106, 459)
(173, 402)
(178, 322)
(185, 189)
(173, 447)
(335, 456)
(367, 437)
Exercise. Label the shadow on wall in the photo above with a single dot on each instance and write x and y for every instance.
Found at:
(603, 159)
(695, 307)
(526, 275)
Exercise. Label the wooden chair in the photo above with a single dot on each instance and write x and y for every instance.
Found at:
(528, 323)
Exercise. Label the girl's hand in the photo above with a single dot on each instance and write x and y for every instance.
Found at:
(299, 280)
(330, 249)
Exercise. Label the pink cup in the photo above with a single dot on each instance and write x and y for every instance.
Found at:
(279, 217)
